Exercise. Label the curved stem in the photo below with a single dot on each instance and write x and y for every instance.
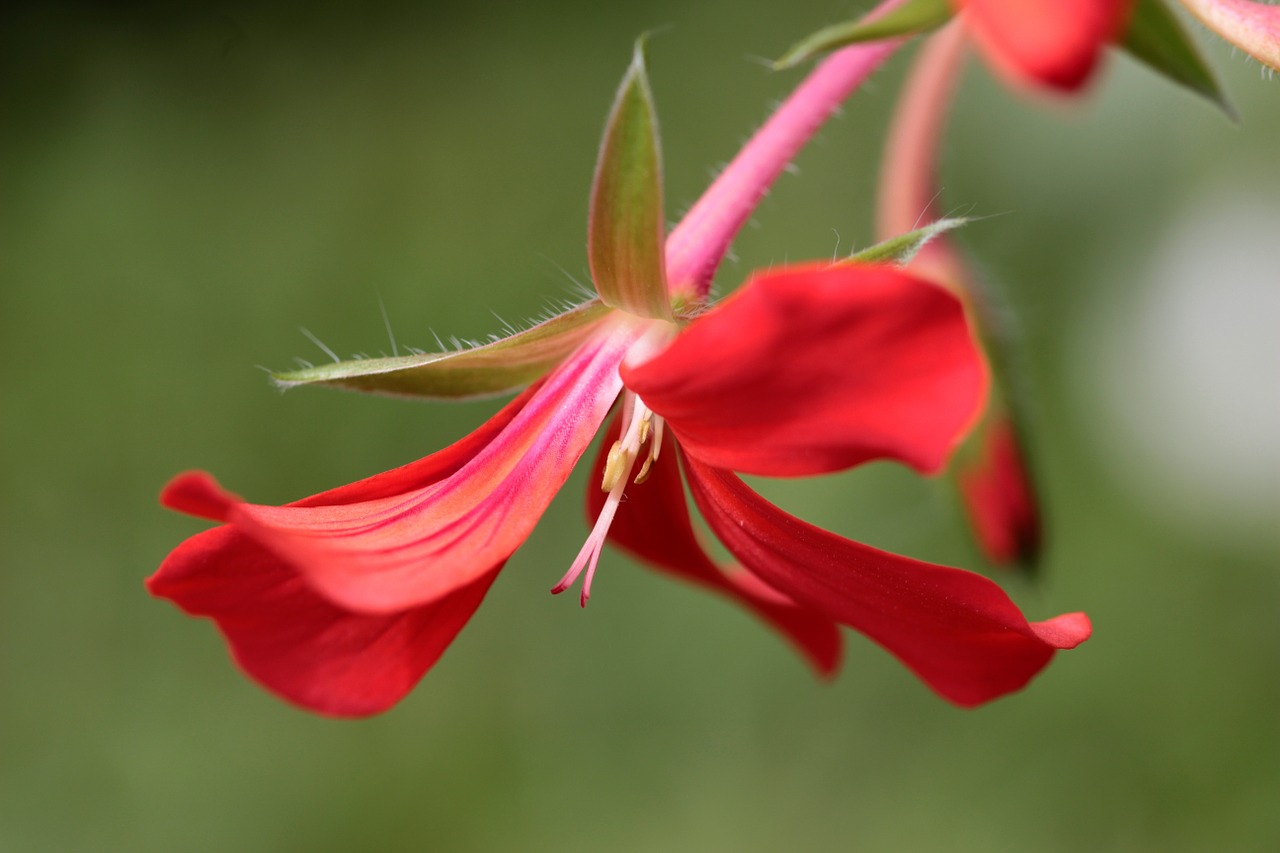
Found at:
(909, 168)
(696, 246)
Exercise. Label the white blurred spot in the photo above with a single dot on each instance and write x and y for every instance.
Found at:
(1186, 369)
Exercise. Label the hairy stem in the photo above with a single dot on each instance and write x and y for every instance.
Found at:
(697, 245)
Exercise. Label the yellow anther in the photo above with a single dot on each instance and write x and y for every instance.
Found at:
(644, 470)
(615, 467)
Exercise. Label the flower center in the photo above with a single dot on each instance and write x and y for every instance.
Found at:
(639, 425)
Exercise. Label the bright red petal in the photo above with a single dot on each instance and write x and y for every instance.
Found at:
(956, 630)
(652, 523)
(285, 635)
(809, 370)
(297, 644)
(1049, 42)
(392, 551)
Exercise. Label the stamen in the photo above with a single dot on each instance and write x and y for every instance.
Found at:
(644, 469)
(615, 465)
(628, 408)
(655, 447)
(621, 459)
(622, 455)
(589, 556)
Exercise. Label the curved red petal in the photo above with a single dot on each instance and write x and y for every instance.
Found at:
(286, 636)
(296, 643)
(956, 630)
(198, 493)
(999, 499)
(1054, 43)
(652, 524)
(392, 551)
(809, 370)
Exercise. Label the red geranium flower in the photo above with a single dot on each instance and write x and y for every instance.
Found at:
(342, 601)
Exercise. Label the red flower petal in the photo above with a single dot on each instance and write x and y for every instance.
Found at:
(395, 551)
(1051, 42)
(956, 630)
(297, 644)
(998, 497)
(652, 523)
(285, 635)
(810, 370)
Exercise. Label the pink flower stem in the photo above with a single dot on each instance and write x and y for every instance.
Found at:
(908, 170)
(697, 245)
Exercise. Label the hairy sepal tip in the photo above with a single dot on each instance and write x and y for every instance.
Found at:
(625, 229)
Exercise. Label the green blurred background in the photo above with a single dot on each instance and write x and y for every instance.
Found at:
(181, 189)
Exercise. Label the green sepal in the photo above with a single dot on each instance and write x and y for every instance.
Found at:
(625, 231)
(1157, 38)
(902, 248)
(487, 370)
(912, 17)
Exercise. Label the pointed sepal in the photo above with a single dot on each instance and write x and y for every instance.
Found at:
(625, 232)
(487, 370)
(912, 17)
(1156, 38)
(902, 249)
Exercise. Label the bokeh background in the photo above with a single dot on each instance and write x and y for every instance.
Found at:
(183, 188)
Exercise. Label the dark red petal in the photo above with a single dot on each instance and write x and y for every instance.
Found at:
(652, 523)
(297, 644)
(386, 554)
(809, 370)
(999, 499)
(1054, 43)
(956, 630)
